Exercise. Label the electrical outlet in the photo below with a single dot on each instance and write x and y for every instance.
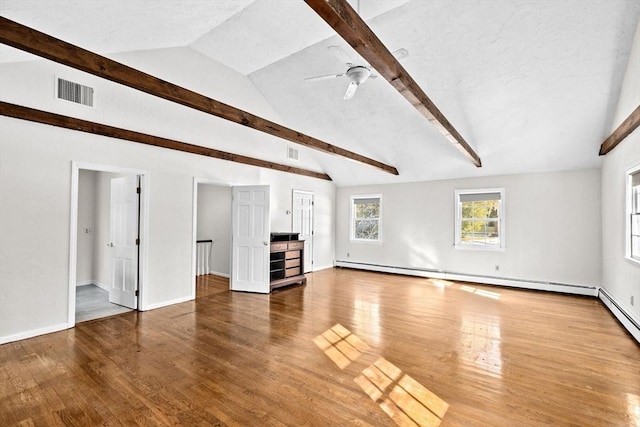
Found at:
(497, 267)
(632, 300)
(348, 255)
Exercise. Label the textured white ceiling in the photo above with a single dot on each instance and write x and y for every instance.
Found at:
(531, 85)
(119, 25)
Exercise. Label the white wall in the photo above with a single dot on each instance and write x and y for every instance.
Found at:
(214, 222)
(621, 278)
(35, 179)
(86, 227)
(553, 228)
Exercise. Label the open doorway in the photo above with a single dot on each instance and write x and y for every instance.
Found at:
(108, 218)
(302, 222)
(212, 237)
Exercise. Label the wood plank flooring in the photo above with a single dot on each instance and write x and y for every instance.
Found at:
(349, 348)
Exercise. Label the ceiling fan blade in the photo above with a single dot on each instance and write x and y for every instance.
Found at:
(351, 90)
(400, 53)
(339, 53)
(327, 77)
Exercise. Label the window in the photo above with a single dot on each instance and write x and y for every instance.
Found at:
(480, 219)
(633, 214)
(366, 218)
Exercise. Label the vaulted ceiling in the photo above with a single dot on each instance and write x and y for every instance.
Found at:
(530, 85)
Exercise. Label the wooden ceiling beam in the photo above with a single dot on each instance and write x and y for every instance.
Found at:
(45, 117)
(40, 44)
(626, 127)
(348, 24)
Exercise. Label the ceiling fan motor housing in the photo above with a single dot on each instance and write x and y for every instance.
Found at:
(358, 74)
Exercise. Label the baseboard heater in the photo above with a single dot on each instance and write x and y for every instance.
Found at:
(464, 277)
(626, 319)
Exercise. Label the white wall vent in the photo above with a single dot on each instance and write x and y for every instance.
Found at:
(292, 153)
(75, 92)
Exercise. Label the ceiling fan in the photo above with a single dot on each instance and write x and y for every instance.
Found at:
(357, 73)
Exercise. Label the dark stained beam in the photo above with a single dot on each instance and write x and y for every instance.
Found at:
(44, 117)
(626, 127)
(348, 24)
(38, 43)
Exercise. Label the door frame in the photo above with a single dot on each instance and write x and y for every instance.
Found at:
(194, 227)
(143, 230)
(313, 221)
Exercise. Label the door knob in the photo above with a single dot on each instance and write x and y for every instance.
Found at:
(265, 243)
(110, 245)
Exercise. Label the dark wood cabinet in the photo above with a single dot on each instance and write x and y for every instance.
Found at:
(287, 260)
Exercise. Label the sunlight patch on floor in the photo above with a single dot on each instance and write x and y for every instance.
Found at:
(402, 398)
(340, 345)
(480, 292)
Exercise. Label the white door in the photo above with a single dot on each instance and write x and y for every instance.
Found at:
(124, 246)
(250, 239)
(303, 224)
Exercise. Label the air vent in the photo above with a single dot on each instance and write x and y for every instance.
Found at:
(75, 92)
(292, 154)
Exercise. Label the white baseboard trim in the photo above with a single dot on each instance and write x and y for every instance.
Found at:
(101, 285)
(84, 283)
(322, 267)
(92, 282)
(215, 273)
(487, 280)
(628, 320)
(166, 303)
(33, 333)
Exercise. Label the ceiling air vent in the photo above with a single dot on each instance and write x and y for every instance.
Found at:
(75, 92)
(292, 154)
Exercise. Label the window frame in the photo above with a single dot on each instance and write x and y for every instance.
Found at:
(629, 210)
(458, 220)
(353, 218)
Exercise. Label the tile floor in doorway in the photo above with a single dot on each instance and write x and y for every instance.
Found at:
(93, 303)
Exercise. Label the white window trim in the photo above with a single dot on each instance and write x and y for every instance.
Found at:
(352, 237)
(458, 220)
(627, 213)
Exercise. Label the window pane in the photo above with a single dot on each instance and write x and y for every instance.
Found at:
(366, 229)
(479, 218)
(635, 247)
(635, 225)
(367, 210)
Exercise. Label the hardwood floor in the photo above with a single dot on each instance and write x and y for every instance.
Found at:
(349, 348)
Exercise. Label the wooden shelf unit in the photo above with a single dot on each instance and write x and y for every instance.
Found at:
(286, 260)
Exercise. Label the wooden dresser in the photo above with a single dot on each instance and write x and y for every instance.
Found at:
(287, 260)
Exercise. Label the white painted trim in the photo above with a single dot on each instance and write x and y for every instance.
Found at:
(84, 283)
(322, 267)
(628, 320)
(627, 213)
(33, 333)
(486, 280)
(216, 273)
(168, 303)
(194, 227)
(313, 222)
(458, 218)
(352, 238)
(94, 283)
(143, 266)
